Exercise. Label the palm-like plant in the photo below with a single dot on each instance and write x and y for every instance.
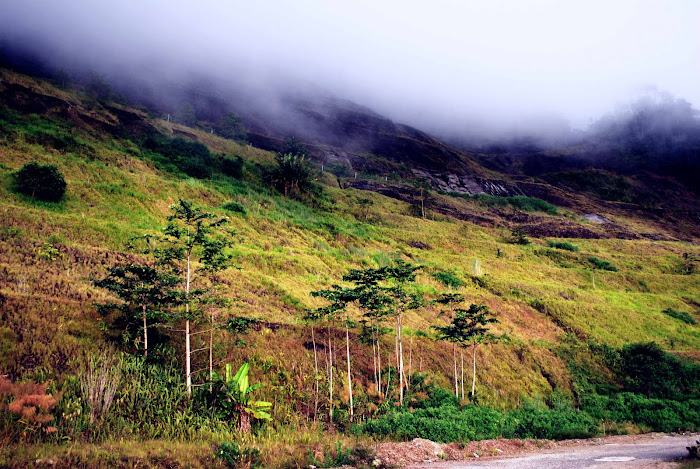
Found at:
(235, 400)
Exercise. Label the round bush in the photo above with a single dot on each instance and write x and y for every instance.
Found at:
(43, 182)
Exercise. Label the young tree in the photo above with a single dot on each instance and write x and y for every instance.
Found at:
(375, 302)
(235, 399)
(450, 300)
(144, 290)
(326, 314)
(293, 175)
(294, 146)
(469, 326)
(402, 273)
(185, 115)
(189, 240)
(231, 127)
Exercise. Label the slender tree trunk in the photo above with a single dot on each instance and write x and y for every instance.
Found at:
(473, 369)
(211, 351)
(374, 357)
(347, 350)
(313, 340)
(145, 333)
(330, 374)
(401, 371)
(379, 363)
(461, 354)
(410, 362)
(188, 367)
(188, 364)
(454, 361)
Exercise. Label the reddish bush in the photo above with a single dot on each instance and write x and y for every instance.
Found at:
(29, 402)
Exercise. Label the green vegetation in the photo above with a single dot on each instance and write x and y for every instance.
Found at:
(568, 362)
(518, 236)
(45, 182)
(451, 423)
(680, 315)
(468, 327)
(448, 278)
(185, 115)
(178, 154)
(235, 455)
(232, 127)
(233, 393)
(601, 264)
(565, 245)
(235, 207)
(293, 174)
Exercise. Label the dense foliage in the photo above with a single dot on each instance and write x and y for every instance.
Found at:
(45, 182)
(192, 158)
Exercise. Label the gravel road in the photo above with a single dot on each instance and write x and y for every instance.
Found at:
(659, 452)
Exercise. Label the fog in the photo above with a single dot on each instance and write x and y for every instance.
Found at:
(452, 68)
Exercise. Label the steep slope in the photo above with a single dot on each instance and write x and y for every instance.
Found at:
(115, 192)
(549, 301)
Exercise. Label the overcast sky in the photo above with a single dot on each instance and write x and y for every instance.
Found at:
(416, 61)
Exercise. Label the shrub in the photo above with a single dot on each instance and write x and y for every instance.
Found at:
(232, 166)
(448, 278)
(449, 423)
(30, 405)
(234, 455)
(335, 457)
(658, 414)
(293, 175)
(235, 207)
(231, 127)
(44, 182)
(680, 315)
(518, 236)
(185, 115)
(601, 264)
(563, 245)
(192, 158)
(650, 371)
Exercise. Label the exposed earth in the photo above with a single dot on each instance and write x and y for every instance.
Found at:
(653, 450)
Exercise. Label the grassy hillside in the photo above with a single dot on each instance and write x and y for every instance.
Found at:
(549, 301)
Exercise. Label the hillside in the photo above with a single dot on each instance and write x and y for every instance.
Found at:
(557, 308)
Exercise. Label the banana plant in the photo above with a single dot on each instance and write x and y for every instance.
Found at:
(235, 400)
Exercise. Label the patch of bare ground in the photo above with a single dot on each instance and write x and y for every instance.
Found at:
(421, 451)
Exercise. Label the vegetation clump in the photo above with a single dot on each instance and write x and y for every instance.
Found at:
(680, 315)
(235, 207)
(518, 236)
(563, 245)
(41, 181)
(232, 127)
(192, 158)
(235, 455)
(602, 264)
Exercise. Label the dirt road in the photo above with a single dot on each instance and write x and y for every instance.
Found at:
(654, 451)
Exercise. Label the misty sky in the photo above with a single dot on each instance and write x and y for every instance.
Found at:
(418, 62)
